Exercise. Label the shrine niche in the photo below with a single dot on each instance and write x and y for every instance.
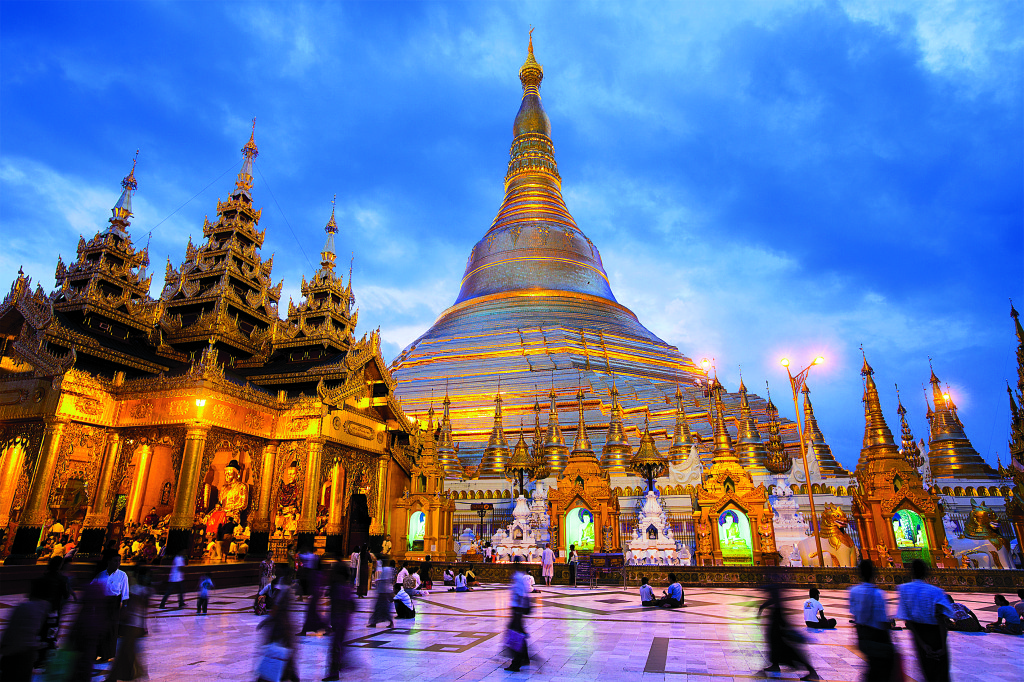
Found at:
(286, 499)
(733, 519)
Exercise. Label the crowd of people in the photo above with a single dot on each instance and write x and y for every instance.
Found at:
(113, 608)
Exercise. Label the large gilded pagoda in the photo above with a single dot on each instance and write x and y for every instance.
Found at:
(115, 406)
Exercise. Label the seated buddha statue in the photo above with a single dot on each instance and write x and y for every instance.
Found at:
(234, 495)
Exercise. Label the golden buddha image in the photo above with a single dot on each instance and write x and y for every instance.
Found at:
(234, 495)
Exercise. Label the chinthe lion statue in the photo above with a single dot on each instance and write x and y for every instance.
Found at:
(981, 544)
(837, 546)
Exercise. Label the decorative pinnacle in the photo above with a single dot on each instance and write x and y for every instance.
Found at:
(332, 227)
(130, 183)
(531, 73)
(249, 150)
(122, 210)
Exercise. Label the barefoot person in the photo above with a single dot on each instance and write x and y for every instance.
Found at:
(547, 565)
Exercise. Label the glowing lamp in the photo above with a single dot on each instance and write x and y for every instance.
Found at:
(945, 396)
(785, 362)
(818, 360)
(200, 402)
(705, 363)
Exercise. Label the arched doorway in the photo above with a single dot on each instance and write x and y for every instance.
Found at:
(911, 538)
(417, 530)
(358, 522)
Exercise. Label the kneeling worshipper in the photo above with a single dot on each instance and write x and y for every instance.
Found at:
(647, 593)
(448, 577)
(963, 619)
(673, 595)
(814, 612)
(403, 605)
(1007, 620)
(460, 583)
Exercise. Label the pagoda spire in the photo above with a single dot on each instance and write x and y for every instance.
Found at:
(243, 184)
(616, 451)
(681, 438)
(750, 449)
(327, 256)
(555, 450)
(816, 443)
(122, 210)
(496, 453)
(908, 446)
(581, 447)
(950, 452)
(724, 453)
(446, 455)
(876, 431)
(778, 460)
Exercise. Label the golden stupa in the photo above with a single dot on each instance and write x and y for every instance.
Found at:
(536, 315)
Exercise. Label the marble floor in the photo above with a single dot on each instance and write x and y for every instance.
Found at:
(595, 635)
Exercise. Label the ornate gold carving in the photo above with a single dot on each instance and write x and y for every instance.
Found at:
(358, 430)
(141, 410)
(89, 406)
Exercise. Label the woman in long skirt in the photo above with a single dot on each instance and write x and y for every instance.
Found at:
(342, 605)
(364, 571)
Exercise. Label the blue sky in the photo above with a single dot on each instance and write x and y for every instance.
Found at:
(762, 179)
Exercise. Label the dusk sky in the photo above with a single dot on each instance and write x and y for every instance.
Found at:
(762, 179)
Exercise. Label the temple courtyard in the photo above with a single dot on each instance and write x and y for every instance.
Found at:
(599, 634)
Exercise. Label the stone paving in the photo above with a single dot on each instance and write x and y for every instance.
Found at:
(575, 633)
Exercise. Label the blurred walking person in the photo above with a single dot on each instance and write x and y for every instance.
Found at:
(87, 631)
(281, 633)
(115, 593)
(267, 571)
(364, 571)
(55, 588)
(313, 622)
(342, 606)
(783, 641)
(867, 604)
(925, 610)
(20, 643)
(515, 639)
(385, 598)
(175, 581)
(128, 661)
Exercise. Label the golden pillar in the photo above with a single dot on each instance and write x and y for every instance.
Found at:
(264, 514)
(188, 478)
(335, 512)
(14, 461)
(377, 523)
(37, 508)
(99, 512)
(138, 492)
(311, 486)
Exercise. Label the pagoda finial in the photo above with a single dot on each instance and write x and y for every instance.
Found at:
(327, 256)
(777, 461)
(531, 73)
(876, 431)
(582, 444)
(249, 153)
(122, 210)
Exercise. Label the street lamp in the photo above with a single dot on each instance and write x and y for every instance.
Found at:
(796, 383)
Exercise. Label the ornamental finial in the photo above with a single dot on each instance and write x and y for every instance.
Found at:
(531, 73)
(122, 210)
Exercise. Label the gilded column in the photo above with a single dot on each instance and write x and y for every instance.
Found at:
(259, 534)
(179, 536)
(310, 487)
(37, 511)
(335, 513)
(380, 499)
(95, 528)
(138, 493)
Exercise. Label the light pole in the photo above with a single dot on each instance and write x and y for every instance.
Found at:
(796, 383)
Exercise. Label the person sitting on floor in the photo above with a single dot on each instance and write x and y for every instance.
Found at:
(412, 584)
(401, 576)
(1007, 620)
(673, 598)
(531, 581)
(449, 577)
(403, 605)
(647, 593)
(814, 612)
(471, 580)
(963, 619)
(1019, 606)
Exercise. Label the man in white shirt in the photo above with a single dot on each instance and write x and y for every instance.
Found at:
(175, 581)
(920, 607)
(403, 605)
(115, 592)
(353, 566)
(402, 575)
(547, 565)
(647, 593)
(814, 612)
(867, 605)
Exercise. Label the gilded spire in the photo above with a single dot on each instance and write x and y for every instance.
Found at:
(617, 450)
(818, 447)
(496, 453)
(950, 452)
(749, 449)
(778, 460)
(647, 463)
(531, 73)
(723, 441)
(122, 210)
(555, 449)
(327, 256)
(581, 447)
(243, 184)
(681, 438)
(908, 448)
(876, 431)
(446, 455)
